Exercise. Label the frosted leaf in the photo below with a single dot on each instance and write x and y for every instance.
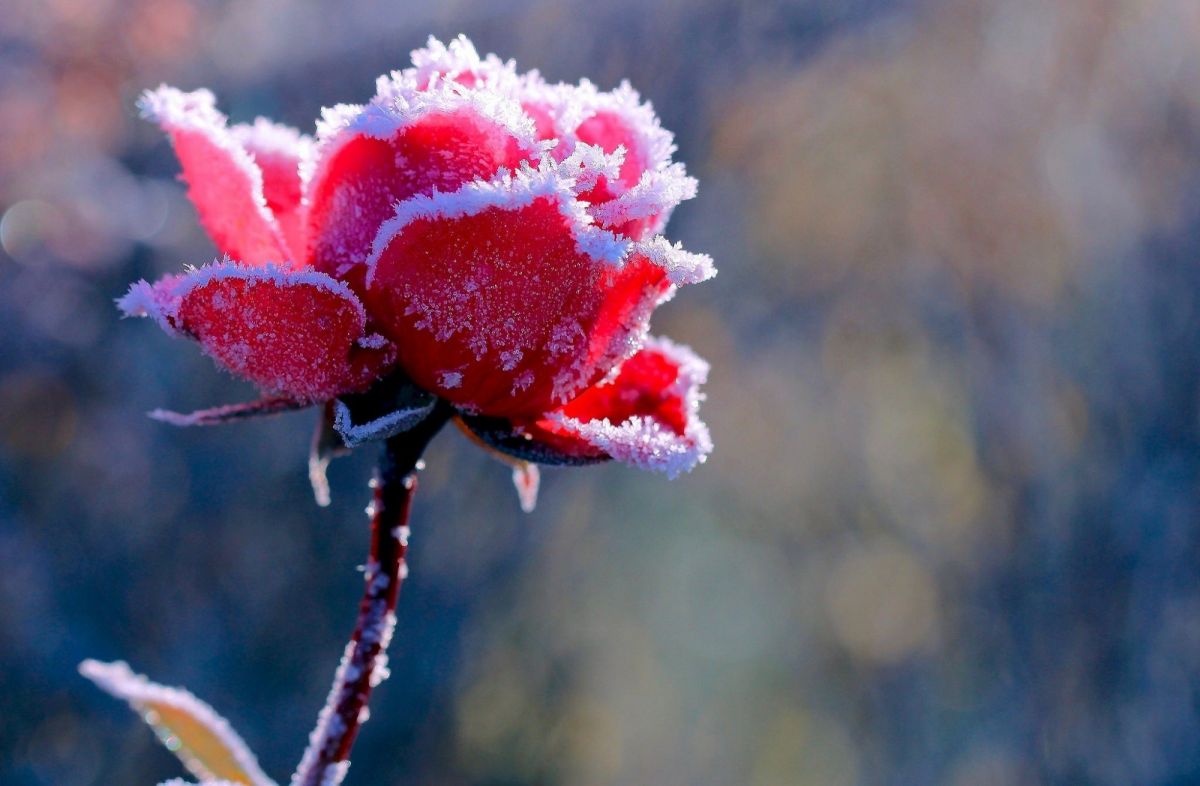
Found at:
(526, 479)
(327, 445)
(389, 425)
(189, 728)
(228, 413)
(391, 406)
(515, 443)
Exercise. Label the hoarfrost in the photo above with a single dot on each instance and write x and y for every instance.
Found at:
(144, 696)
(389, 425)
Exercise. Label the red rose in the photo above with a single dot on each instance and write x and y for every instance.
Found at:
(486, 235)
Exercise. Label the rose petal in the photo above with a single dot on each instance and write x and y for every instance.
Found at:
(647, 415)
(401, 146)
(645, 208)
(282, 153)
(224, 182)
(503, 297)
(298, 334)
(612, 120)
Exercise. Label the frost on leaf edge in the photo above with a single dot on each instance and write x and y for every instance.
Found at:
(121, 682)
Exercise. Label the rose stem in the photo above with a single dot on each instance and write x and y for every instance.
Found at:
(364, 663)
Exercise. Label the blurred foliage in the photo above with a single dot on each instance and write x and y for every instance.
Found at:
(948, 534)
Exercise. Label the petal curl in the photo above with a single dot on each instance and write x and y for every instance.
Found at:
(224, 182)
(504, 298)
(401, 145)
(647, 415)
(299, 334)
(646, 207)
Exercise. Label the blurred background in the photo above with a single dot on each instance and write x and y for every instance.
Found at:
(949, 534)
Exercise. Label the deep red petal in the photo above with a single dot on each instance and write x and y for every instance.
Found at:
(647, 415)
(296, 334)
(358, 186)
(500, 310)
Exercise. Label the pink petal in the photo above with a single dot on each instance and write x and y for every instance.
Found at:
(646, 207)
(281, 153)
(612, 120)
(647, 415)
(503, 297)
(296, 334)
(224, 182)
(401, 146)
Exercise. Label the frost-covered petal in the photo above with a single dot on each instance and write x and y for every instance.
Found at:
(399, 146)
(681, 267)
(612, 120)
(224, 182)
(282, 154)
(504, 298)
(300, 334)
(647, 415)
(645, 208)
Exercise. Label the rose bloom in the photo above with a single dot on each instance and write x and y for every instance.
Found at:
(490, 237)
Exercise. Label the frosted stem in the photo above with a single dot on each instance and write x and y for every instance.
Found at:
(364, 663)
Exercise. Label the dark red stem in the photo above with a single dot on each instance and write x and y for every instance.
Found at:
(364, 663)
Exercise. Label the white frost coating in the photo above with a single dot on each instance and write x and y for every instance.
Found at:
(588, 163)
(507, 192)
(374, 341)
(656, 194)
(399, 105)
(450, 379)
(655, 143)
(226, 271)
(327, 728)
(335, 773)
(389, 425)
(570, 105)
(646, 443)
(139, 692)
(196, 112)
(182, 782)
(160, 303)
(683, 267)
(267, 136)
(227, 413)
(438, 62)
